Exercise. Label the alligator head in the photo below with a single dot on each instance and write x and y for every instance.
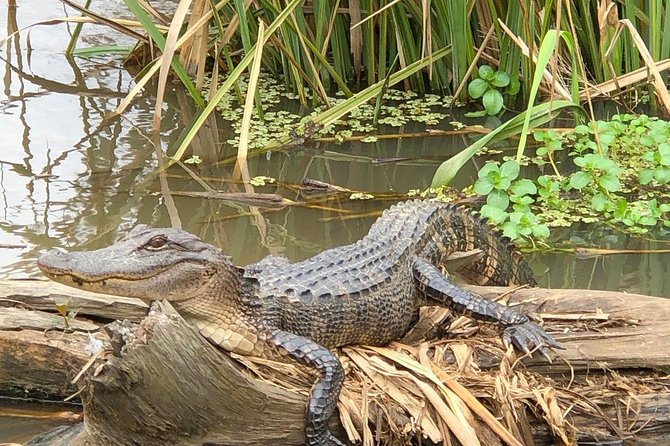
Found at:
(148, 263)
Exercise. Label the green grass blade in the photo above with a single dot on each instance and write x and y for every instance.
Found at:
(460, 37)
(547, 48)
(536, 117)
(100, 50)
(71, 46)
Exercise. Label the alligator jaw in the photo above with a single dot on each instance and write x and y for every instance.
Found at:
(121, 273)
(68, 268)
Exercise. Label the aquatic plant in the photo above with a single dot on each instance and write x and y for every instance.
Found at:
(613, 180)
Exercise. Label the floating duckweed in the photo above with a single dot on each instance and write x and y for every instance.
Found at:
(361, 196)
(194, 159)
(398, 109)
(261, 180)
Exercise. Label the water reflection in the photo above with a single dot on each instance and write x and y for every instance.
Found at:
(70, 176)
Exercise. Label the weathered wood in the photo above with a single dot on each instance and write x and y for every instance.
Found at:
(273, 201)
(46, 294)
(197, 396)
(170, 386)
(636, 335)
(39, 356)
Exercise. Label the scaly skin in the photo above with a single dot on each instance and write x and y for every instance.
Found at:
(364, 293)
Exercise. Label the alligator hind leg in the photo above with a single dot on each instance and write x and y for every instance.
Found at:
(325, 391)
(518, 329)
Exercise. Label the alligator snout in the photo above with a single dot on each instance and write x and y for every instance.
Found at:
(52, 259)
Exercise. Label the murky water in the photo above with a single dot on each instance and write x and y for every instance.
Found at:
(70, 178)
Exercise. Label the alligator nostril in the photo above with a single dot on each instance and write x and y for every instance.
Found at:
(53, 254)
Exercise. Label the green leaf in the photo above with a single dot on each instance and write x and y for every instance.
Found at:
(490, 166)
(476, 114)
(580, 161)
(524, 187)
(486, 72)
(477, 88)
(545, 52)
(604, 164)
(662, 174)
(492, 101)
(514, 87)
(582, 129)
(647, 141)
(579, 180)
(495, 214)
(600, 202)
(609, 182)
(498, 198)
(541, 231)
(554, 144)
(664, 154)
(510, 169)
(483, 186)
(537, 116)
(523, 200)
(511, 230)
(540, 135)
(648, 220)
(100, 50)
(503, 183)
(645, 176)
(500, 79)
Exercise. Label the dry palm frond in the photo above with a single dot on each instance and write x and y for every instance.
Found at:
(437, 390)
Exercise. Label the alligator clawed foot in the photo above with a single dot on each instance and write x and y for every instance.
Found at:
(530, 336)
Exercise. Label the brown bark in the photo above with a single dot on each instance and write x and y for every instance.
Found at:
(38, 356)
(45, 295)
(636, 333)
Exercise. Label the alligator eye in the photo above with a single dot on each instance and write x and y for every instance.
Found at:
(156, 243)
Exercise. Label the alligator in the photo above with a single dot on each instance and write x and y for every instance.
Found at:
(368, 292)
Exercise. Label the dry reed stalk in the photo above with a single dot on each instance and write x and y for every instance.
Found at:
(660, 88)
(169, 51)
(639, 75)
(553, 81)
(243, 146)
(403, 393)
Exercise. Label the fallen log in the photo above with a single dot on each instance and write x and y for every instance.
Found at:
(40, 355)
(160, 382)
(49, 295)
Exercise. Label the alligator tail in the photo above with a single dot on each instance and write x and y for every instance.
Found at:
(502, 263)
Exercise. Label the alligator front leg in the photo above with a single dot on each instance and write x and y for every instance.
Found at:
(325, 391)
(519, 330)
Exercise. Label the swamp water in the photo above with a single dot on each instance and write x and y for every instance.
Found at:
(72, 179)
